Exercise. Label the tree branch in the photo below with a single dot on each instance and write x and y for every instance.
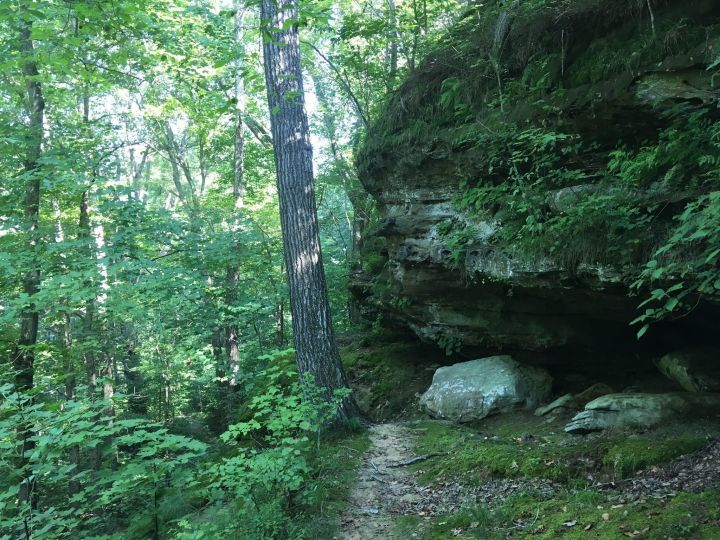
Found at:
(343, 82)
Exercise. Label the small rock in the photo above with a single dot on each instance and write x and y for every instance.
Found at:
(636, 410)
(595, 391)
(695, 370)
(562, 401)
(570, 401)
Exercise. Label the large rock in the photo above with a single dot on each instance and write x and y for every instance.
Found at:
(473, 390)
(694, 370)
(640, 411)
(418, 164)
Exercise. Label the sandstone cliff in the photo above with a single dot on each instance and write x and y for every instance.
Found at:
(527, 171)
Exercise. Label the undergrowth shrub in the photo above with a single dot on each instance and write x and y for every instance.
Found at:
(265, 469)
(139, 465)
(254, 482)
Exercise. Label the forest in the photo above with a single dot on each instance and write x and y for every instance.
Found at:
(359, 269)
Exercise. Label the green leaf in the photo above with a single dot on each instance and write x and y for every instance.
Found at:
(671, 304)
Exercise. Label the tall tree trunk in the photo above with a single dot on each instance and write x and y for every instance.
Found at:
(238, 178)
(109, 374)
(68, 364)
(232, 332)
(88, 320)
(136, 171)
(280, 324)
(137, 402)
(318, 358)
(177, 165)
(202, 162)
(24, 355)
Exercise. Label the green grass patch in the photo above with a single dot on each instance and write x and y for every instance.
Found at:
(628, 456)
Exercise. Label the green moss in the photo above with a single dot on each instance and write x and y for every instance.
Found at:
(578, 515)
(475, 457)
(373, 264)
(386, 373)
(606, 37)
(626, 50)
(373, 255)
(628, 456)
(502, 447)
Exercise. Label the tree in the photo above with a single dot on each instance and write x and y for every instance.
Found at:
(317, 355)
(24, 357)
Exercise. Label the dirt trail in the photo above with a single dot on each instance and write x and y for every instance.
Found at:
(381, 492)
(387, 489)
(384, 492)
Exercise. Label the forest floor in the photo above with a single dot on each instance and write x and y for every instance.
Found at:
(380, 489)
(389, 486)
(411, 484)
(515, 475)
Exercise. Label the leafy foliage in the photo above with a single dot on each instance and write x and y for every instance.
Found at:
(148, 463)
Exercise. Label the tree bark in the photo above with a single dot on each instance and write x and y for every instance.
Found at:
(232, 332)
(178, 164)
(24, 355)
(136, 170)
(317, 355)
(238, 178)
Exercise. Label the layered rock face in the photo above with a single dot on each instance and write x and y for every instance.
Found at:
(481, 294)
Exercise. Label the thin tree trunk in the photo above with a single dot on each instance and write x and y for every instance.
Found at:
(238, 179)
(68, 364)
(24, 355)
(232, 331)
(317, 355)
(233, 272)
(177, 165)
(280, 324)
(202, 161)
(88, 320)
(89, 317)
(357, 196)
(343, 81)
(136, 169)
(137, 402)
(109, 374)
